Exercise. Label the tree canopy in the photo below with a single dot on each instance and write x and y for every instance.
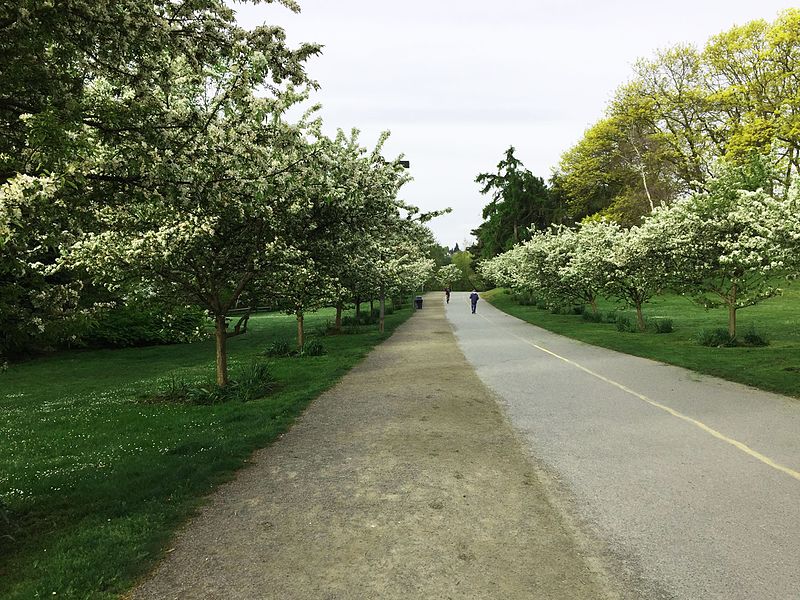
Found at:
(684, 110)
(519, 201)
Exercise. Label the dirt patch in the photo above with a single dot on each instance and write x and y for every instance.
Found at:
(404, 481)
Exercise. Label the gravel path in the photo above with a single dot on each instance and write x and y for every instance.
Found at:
(403, 481)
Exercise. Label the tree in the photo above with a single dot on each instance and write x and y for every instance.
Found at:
(90, 93)
(726, 243)
(463, 261)
(204, 215)
(683, 111)
(754, 75)
(636, 264)
(519, 200)
(582, 274)
(449, 274)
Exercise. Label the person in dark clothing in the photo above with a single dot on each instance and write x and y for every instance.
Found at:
(473, 299)
(447, 294)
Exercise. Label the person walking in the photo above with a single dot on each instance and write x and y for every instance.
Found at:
(473, 300)
(447, 294)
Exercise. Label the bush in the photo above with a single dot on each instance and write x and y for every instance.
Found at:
(716, 338)
(592, 317)
(660, 325)
(249, 383)
(144, 323)
(323, 330)
(278, 348)
(362, 319)
(312, 348)
(610, 316)
(624, 323)
(752, 337)
(577, 309)
(524, 298)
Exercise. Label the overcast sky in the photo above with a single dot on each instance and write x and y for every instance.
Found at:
(458, 81)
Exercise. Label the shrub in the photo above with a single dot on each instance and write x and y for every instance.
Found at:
(278, 348)
(592, 317)
(375, 315)
(752, 337)
(610, 316)
(660, 325)
(524, 298)
(323, 330)
(143, 323)
(718, 338)
(624, 323)
(312, 348)
(362, 319)
(249, 383)
(577, 309)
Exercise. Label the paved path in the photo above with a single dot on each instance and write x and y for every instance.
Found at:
(403, 481)
(692, 483)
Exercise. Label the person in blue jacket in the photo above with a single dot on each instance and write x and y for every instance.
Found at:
(473, 299)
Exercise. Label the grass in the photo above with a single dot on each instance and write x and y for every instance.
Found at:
(774, 368)
(94, 481)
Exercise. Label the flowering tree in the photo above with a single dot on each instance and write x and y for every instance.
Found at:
(96, 99)
(505, 269)
(635, 264)
(542, 257)
(583, 274)
(205, 212)
(447, 274)
(784, 228)
(726, 244)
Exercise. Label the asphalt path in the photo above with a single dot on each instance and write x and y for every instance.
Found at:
(691, 484)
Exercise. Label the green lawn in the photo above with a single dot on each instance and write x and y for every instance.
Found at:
(775, 367)
(94, 481)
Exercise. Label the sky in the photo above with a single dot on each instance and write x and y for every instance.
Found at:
(459, 81)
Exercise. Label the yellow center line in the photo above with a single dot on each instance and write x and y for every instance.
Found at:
(735, 443)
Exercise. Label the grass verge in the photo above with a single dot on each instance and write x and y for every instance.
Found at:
(775, 367)
(93, 481)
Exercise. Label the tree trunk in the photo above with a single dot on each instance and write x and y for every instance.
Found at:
(593, 303)
(300, 330)
(371, 306)
(732, 312)
(383, 308)
(221, 335)
(338, 325)
(358, 306)
(640, 317)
